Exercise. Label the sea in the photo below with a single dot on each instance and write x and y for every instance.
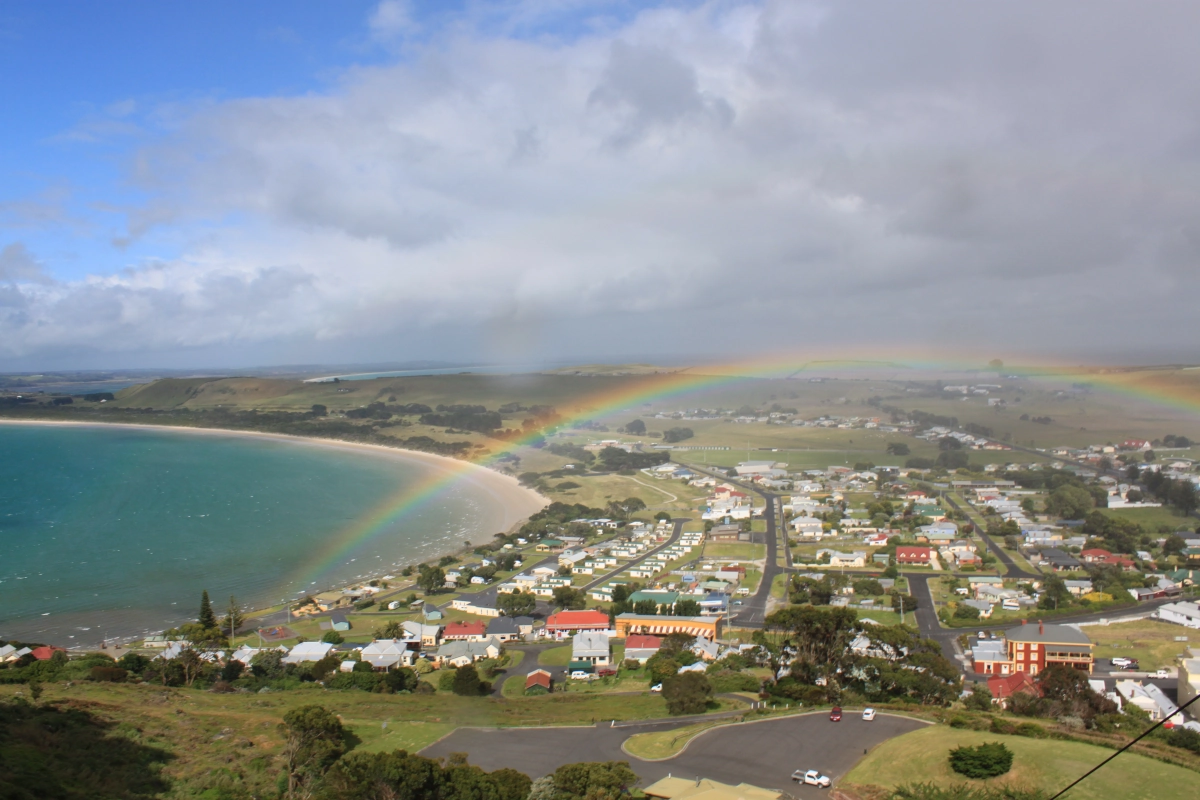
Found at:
(110, 533)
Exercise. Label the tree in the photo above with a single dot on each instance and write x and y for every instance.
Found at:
(1174, 545)
(206, 619)
(517, 604)
(980, 699)
(660, 667)
(984, 761)
(687, 608)
(391, 630)
(569, 598)
(594, 780)
(467, 682)
(646, 608)
(677, 435)
(1070, 502)
(1054, 592)
(233, 619)
(319, 410)
(315, 740)
(431, 579)
(898, 449)
(332, 637)
(636, 428)
(688, 693)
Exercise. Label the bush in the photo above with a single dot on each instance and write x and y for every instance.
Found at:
(332, 637)
(110, 674)
(984, 761)
(446, 680)
(688, 693)
(729, 681)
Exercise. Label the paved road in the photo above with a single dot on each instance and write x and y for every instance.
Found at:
(761, 753)
(753, 610)
(1010, 566)
(679, 523)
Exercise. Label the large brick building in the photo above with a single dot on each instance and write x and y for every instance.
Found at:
(1031, 648)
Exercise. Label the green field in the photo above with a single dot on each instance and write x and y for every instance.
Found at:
(555, 656)
(1151, 642)
(1153, 520)
(922, 756)
(743, 551)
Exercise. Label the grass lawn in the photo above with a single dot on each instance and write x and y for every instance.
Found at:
(885, 616)
(1152, 520)
(1151, 642)
(753, 576)
(555, 656)
(922, 756)
(738, 550)
(779, 586)
(664, 744)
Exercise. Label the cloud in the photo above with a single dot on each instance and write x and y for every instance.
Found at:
(17, 264)
(829, 173)
(392, 19)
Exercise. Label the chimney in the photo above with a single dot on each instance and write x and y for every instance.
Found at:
(1041, 628)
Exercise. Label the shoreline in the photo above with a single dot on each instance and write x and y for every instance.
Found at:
(517, 501)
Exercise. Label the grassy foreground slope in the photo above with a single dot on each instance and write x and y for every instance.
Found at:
(922, 756)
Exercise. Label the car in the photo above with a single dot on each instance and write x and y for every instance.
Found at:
(1133, 664)
(812, 777)
(836, 714)
(1162, 672)
(868, 714)
(656, 688)
(982, 635)
(580, 675)
(1120, 662)
(737, 602)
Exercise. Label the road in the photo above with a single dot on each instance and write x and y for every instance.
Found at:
(753, 611)
(762, 753)
(1010, 566)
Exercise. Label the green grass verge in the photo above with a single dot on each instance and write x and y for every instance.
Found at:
(664, 744)
(739, 550)
(922, 756)
(555, 656)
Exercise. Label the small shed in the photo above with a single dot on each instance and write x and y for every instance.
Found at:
(339, 622)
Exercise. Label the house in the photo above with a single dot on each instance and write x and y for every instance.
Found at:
(1003, 688)
(670, 788)
(1078, 588)
(539, 682)
(908, 554)
(461, 652)
(504, 629)
(46, 652)
(1094, 555)
(549, 546)
(339, 622)
(838, 559)
(590, 621)
(1189, 676)
(728, 533)
(474, 604)
(665, 600)
(468, 631)
(990, 657)
(427, 635)
(1181, 613)
(592, 649)
(706, 649)
(1032, 648)
(387, 653)
(1148, 698)
(431, 612)
(707, 627)
(1059, 561)
(640, 647)
(982, 606)
(307, 651)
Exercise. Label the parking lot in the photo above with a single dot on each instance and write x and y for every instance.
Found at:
(760, 753)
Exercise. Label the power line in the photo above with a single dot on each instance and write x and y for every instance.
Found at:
(1148, 731)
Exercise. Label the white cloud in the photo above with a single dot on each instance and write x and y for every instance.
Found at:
(392, 19)
(875, 172)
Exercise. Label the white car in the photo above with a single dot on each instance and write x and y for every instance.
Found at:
(656, 687)
(1121, 662)
(580, 675)
(868, 714)
(1162, 673)
(812, 777)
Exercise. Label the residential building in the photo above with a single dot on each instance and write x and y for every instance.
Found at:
(1148, 698)
(460, 652)
(307, 651)
(593, 649)
(504, 629)
(578, 621)
(1003, 688)
(908, 554)
(1182, 613)
(1032, 648)
(539, 682)
(640, 647)
(707, 627)
(387, 653)
(466, 631)
(1189, 676)
(427, 635)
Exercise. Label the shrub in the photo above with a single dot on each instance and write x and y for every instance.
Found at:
(333, 637)
(688, 693)
(729, 681)
(110, 674)
(984, 761)
(446, 680)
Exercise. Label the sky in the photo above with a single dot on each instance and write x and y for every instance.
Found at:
(223, 184)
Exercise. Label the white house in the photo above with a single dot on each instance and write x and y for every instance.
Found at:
(1181, 613)
(307, 651)
(387, 653)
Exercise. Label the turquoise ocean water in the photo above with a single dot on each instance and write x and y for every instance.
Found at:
(110, 533)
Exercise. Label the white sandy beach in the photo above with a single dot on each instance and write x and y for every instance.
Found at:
(517, 501)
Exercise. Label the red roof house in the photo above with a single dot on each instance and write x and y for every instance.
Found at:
(45, 652)
(471, 631)
(564, 621)
(1094, 554)
(538, 678)
(1002, 688)
(908, 554)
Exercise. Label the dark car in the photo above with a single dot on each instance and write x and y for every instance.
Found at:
(836, 714)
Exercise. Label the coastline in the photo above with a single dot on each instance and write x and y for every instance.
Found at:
(518, 502)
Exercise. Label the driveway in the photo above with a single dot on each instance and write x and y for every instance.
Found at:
(760, 753)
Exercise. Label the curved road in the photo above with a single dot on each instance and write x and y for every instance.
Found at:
(763, 753)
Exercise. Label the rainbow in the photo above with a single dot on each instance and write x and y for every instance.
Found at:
(1144, 385)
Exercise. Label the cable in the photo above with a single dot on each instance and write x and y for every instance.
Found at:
(1148, 731)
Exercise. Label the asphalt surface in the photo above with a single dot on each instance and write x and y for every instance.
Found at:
(761, 753)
